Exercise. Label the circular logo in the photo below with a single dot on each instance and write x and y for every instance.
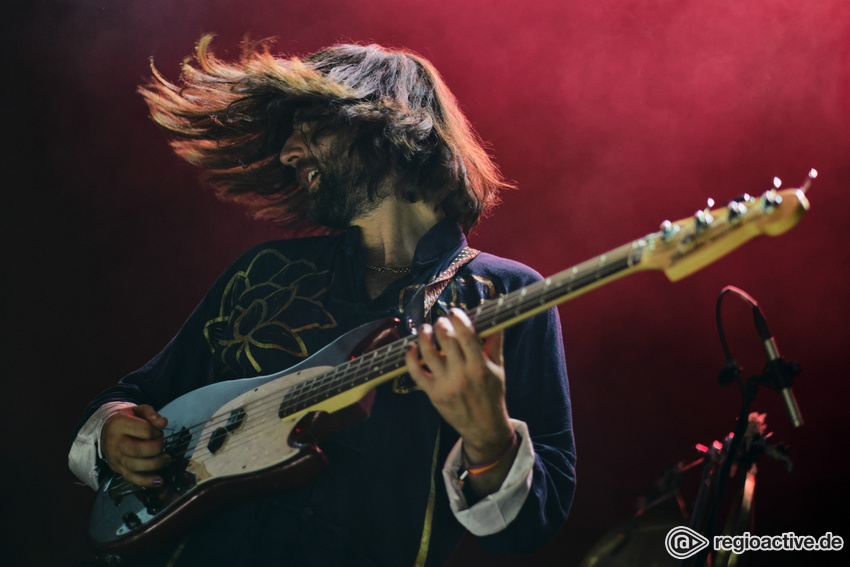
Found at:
(683, 542)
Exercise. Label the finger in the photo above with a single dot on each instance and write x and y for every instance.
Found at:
(133, 448)
(137, 469)
(120, 425)
(465, 335)
(145, 465)
(414, 366)
(447, 337)
(428, 350)
(133, 423)
(146, 480)
(493, 347)
(150, 415)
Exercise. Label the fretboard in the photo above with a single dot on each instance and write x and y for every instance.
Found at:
(387, 362)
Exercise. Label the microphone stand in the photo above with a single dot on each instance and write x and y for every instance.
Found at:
(778, 374)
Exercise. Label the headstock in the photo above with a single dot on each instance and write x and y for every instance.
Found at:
(685, 246)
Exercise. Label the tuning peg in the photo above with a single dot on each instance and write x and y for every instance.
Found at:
(813, 173)
(702, 220)
(737, 209)
(770, 199)
(669, 230)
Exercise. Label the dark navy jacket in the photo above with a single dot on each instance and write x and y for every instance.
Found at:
(282, 301)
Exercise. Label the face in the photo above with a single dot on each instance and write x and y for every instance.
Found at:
(335, 181)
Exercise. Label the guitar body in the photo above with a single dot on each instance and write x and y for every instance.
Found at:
(231, 439)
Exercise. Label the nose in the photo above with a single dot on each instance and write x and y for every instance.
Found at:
(294, 149)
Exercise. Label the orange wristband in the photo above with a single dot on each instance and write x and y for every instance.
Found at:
(476, 470)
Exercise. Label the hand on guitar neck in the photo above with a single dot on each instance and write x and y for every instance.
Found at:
(132, 444)
(466, 384)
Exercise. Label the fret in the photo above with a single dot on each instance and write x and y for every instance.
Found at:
(530, 300)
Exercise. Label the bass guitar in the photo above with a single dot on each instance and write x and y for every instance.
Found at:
(235, 437)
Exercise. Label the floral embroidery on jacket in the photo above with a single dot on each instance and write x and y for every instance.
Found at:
(265, 307)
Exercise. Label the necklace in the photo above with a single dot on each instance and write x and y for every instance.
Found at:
(388, 269)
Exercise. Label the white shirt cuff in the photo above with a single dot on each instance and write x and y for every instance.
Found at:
(495, 511)
(82, 458)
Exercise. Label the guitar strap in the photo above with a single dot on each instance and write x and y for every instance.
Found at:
(435, 287)
(429, 294)
(404, 384)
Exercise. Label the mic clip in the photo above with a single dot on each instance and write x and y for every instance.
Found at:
(779, 373)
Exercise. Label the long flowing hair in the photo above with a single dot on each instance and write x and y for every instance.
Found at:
(232, 119)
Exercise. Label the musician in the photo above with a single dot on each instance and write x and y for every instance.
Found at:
(368, 147)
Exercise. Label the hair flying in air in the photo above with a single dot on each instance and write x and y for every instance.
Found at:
(231, 120)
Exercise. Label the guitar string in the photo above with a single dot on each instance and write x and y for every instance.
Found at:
(339, 376)
(343, 372)
(481, 309)
(395, 361)
(302, 390)
(484, 315)
(310, 393)
(216, 421)
(270, 400)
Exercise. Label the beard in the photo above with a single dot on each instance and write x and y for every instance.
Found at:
(341, 195)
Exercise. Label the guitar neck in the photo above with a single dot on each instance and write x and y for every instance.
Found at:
(519, 305)
(356, 377)
(678, 250)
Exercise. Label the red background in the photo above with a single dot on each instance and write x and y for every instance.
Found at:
(610, 115)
